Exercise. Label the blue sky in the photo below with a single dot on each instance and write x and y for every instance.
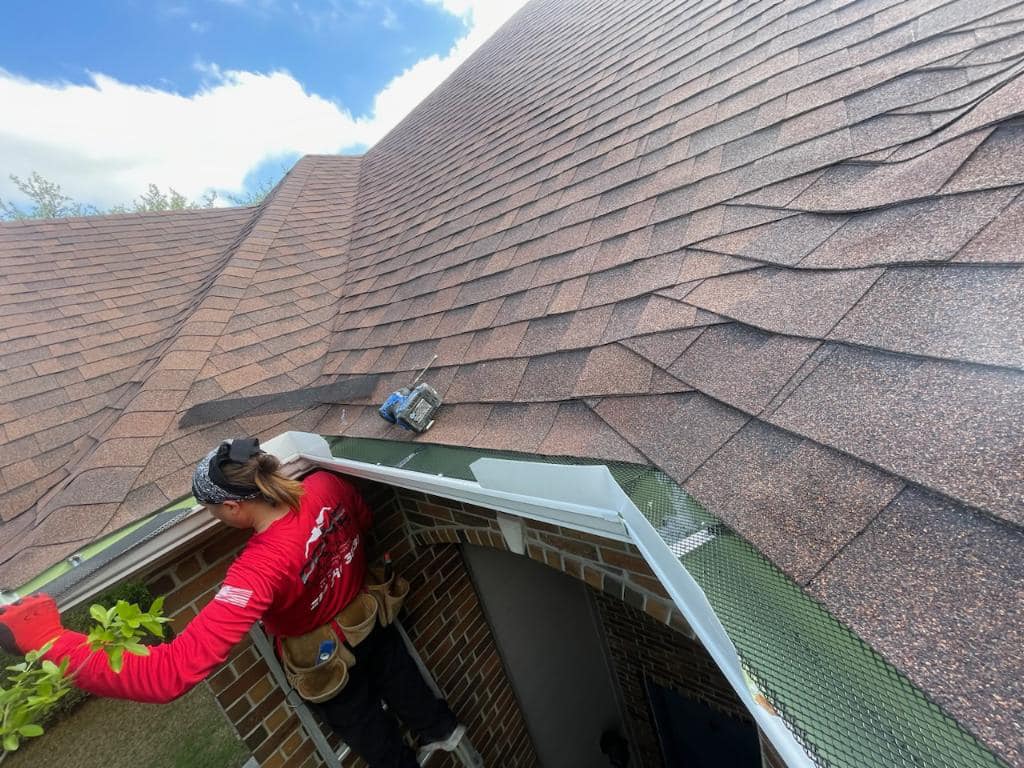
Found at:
(106, 97)
(345, 52)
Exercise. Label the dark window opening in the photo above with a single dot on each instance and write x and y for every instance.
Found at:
(695, 735)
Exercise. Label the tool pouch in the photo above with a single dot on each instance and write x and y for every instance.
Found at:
(358, 618)
(313, 678)
(389, 593)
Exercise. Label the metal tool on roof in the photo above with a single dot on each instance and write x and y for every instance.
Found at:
(412, 407)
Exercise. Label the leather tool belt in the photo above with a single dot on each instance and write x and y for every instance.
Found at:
(317, 663)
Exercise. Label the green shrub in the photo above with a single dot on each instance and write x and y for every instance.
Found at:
(78, 619)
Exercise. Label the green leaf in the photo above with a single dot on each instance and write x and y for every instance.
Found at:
(99, 613)
(10, 742)
(137, 648)
(31, 730)
(157, 607)
(154, 627)
(116, 657)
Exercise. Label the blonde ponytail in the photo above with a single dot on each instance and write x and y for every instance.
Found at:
(261, 472)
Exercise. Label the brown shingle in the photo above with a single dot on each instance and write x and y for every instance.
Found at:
(927, 231)
(663, 348)
(676, 432)
(576, 431)
(492, 343)
(613, 369)
(798, 503)
(953, 428)
(552, 377)
(741, 366)
(496, 380)
(785, 301)
(958, 313)
(516, 427)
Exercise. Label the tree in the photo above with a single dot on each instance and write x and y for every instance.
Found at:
(155, 200)
(48, 200)
(254, 197)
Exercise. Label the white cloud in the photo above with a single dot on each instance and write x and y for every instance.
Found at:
(481, 17)
(106, 140)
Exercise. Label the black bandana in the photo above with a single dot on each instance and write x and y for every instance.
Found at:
(210, 486)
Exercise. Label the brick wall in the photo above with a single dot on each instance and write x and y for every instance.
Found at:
(613, 567)
(447, 625)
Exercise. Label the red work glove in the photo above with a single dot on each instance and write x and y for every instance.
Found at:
(29, 624)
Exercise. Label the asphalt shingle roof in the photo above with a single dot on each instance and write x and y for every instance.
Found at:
(772, 248)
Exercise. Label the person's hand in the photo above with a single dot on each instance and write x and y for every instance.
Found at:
(29, 624)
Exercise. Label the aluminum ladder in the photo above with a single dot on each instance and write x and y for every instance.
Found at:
(464, 752)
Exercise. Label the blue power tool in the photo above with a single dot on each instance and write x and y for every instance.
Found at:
(412, 407)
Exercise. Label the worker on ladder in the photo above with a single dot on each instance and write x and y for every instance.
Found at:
(303, 572)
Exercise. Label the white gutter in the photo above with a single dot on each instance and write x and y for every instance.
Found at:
(195, 526)
(597, 483)
(299, 452)
(584, 498)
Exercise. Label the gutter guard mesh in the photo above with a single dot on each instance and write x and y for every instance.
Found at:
(847, 706)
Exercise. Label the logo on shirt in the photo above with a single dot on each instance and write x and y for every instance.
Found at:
(318, 530)
(330, 547)
(234, 596)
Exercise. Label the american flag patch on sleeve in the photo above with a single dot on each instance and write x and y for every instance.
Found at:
(234, 596)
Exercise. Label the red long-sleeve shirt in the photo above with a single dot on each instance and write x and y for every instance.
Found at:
(295, 576)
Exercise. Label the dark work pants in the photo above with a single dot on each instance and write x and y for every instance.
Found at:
(384, 670)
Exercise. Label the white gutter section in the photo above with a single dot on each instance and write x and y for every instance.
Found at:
(596, 483)
(577, 511)
(583, 498)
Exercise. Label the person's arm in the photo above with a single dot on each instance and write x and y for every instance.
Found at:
(170, 669)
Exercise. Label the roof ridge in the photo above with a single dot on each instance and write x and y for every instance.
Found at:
(277, 204)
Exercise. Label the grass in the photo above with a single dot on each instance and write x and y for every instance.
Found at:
(191, 732)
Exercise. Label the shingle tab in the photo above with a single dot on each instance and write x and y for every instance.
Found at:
(801, 303)
(965, 314)
(798, 502)
(741, 366)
